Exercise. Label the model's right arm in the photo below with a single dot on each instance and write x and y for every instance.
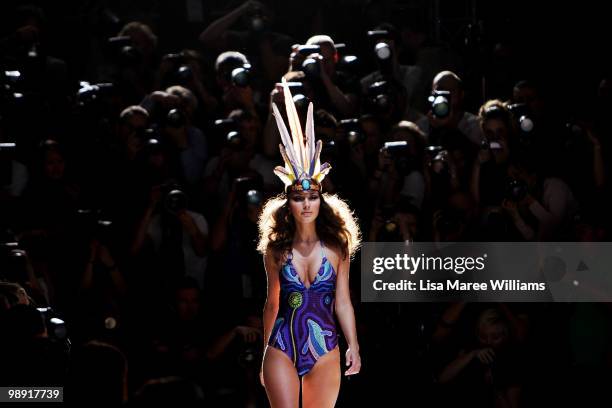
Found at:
(272, 299)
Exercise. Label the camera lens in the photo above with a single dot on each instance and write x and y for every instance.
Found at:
(300, 101)
(382, 51)
(526, 123)
(254, 197)
(240, 77)
(175, 118)
(440, 106)
(310, 67)
(184, 72)
(233, 139)
(176, 201)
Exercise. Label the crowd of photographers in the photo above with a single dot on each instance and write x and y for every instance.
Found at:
(130, 198)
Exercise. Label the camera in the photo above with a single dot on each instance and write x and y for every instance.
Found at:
(90, 93)
(439, 161)
(94, 225)
(382, 50)
(181, 72)
(311, 67)
(56, 327)
(228, 131)
(175, 200)
(516, 190)
(379, 96)
(254, 197)
(175, 119)
(241, 76)
(249, 190)
(233, 140)
(14, 263)
(123, 50)
(522, 114)
(433, 150)
(400, 153)
(306, 50)
(439, 102)
(352, 129)
(257, 20)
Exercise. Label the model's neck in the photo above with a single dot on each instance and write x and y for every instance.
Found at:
(305, 233)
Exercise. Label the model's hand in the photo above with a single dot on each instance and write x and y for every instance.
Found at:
(353, 360)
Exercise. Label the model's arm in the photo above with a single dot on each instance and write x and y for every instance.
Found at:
(271, 306)
(346, 317)
(272, 299)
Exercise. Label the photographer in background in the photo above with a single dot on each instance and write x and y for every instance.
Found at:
(135, 60)
(239, 157)
(489, 168)
(447, 119)
(176, 237)
(234, 80)
(399, 172)
(186, 145)
(331, 93)
(384, 39)
(488, 369)
(267, 49)
(232, 237)
(30, 351)
(401, 223)
(187, 68)
(542, 208)
(48, 215)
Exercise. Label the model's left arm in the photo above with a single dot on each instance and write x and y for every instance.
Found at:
(346, 317)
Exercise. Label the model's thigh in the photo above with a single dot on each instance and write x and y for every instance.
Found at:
(281, 379)
(321, 385)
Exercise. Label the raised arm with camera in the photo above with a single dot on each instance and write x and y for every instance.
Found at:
(550, 201)
(322, 65)
(215, 35)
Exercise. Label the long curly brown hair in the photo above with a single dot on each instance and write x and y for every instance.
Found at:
(335, 225)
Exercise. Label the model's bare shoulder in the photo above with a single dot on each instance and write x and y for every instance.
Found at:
(334, 255)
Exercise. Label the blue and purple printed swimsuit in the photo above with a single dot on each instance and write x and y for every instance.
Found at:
(305, 327)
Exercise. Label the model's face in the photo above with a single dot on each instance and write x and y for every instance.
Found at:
(304, 205)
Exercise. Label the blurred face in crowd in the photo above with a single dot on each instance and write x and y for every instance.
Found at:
(142, 42)
(450, 84)
(54, 165)
(492, 335)
(304, 205)
(496, 131)
(249, 130)
(187, 303)
(408, 136)
(373, 136)
(530, 97)
(132, 124)
(520, 173)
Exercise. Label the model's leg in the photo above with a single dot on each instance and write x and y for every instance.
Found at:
(281, 379)
(321, 385)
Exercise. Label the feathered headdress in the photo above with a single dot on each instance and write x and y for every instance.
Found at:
(303, 169)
